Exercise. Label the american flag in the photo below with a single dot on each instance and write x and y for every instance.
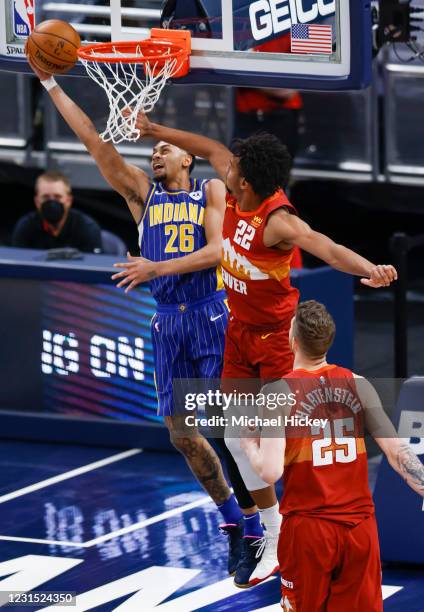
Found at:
(308, 38)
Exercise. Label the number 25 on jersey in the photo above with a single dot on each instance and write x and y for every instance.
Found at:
(340, 449)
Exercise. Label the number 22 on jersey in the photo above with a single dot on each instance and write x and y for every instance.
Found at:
(244, 234)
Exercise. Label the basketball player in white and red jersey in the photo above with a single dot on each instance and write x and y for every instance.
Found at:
(328, 547)
(261, 229)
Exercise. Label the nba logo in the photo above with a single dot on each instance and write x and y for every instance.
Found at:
(23, 18)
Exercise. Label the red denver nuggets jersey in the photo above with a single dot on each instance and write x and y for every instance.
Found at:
(326, 470)
(256, 277)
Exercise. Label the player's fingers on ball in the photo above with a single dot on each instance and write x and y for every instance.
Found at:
(377, 276)
(392, 272)
(384, 274)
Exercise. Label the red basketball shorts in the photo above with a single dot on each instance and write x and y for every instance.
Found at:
(252, 352)
(326, 566)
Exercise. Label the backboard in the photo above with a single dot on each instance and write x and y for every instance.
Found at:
(304, 44)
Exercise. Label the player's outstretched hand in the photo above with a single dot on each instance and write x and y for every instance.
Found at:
(141, 123)
(380, 276)
(135, 271)
(43, 76)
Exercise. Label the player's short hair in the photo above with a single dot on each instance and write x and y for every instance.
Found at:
(52, 176)
(264, 162)
(314, 328)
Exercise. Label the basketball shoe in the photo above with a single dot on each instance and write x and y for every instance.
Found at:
(251, 553)
(268, 564)
(235, 536)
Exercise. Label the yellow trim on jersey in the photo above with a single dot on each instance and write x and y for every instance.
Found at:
(219, 281)
(196, 187)
(146, 204)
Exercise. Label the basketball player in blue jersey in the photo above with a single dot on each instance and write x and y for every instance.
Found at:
(180, 224)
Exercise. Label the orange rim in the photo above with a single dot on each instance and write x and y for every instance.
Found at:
(152, 51)
(162, 46)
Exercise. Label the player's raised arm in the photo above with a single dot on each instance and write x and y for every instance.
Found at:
(131, 182)
(284, 230)
(138, 270)
(397, 450)
(216, 153)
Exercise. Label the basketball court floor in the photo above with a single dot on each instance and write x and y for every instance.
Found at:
(129, 531)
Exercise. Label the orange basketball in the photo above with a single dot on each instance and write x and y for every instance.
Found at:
(52, 46)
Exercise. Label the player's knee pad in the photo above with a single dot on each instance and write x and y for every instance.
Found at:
(250, 477)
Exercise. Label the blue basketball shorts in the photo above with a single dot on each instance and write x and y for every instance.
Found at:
(188, 342)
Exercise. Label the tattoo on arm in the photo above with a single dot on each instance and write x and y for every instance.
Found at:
(411, 468)
(135, 198)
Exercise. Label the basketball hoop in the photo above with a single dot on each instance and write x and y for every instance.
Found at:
(133, 75)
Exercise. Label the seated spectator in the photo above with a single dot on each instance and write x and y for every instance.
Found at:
(55, 224)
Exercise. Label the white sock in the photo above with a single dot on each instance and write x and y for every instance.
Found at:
(272, 519)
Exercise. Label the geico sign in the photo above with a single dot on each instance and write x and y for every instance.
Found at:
(269, 17)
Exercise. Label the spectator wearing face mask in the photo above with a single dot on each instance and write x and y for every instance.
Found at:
(55, 224)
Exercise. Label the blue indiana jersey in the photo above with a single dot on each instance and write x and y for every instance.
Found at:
(173, 226)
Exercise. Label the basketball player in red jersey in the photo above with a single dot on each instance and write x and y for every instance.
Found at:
(328, 547)
(261, 229)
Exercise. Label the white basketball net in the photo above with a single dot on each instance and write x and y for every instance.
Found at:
(129, 91)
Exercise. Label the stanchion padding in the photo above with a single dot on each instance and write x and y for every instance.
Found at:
(399, 510)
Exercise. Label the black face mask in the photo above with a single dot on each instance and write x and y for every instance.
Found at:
(52, 211)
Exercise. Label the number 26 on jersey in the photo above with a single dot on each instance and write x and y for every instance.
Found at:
(180, 239)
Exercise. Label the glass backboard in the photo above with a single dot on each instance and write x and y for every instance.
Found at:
(306, 44)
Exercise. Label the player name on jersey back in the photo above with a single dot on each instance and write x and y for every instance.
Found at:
(326, 469)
